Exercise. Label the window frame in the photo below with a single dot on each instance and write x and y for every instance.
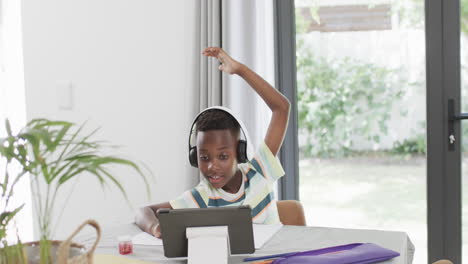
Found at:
(285, 80)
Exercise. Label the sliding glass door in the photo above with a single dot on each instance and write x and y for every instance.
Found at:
(362, 115)
(372, 143)
(464, 107)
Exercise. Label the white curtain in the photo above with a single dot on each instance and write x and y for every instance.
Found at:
(12, 95)
(2, 66)
(12, 105)
(209, 85)
(207, 89)
(248, 37)
(244, 28)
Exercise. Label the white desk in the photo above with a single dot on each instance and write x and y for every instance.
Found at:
(288, 239)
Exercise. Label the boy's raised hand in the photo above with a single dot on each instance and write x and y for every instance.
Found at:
(278, 103)
(228, 64)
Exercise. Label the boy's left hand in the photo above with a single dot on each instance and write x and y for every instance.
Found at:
(228, 64)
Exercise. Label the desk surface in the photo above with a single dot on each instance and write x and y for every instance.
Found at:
(288, 239)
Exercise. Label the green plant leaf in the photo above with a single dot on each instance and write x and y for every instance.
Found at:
(8, 127)
(6, 216)
(61, 133)
(114, 180)
(54, 152)
(15, 181)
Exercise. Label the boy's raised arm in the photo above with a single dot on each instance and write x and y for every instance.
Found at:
(278, 103)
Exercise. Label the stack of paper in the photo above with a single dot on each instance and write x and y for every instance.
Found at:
(262, 233)
(144, 238)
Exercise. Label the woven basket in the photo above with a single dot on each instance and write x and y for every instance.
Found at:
(32, 251)
(63, 252)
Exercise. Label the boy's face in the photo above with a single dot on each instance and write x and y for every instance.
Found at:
(217, 157)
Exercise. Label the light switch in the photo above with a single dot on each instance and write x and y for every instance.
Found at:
(65, 95)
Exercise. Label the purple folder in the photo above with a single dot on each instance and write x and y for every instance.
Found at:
(357, 253)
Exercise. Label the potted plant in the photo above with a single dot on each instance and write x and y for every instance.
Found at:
(7, 214)
(52, 153)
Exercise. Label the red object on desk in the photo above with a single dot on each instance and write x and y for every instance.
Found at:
(125, 248)
(125, 245)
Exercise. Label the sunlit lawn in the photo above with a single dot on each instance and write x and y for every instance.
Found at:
(386, 193)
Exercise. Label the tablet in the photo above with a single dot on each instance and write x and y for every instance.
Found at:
(174, 222)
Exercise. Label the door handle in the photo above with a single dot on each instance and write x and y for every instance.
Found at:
(452, 117)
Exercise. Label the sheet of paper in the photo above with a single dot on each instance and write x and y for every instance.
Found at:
(263, 233)
(146, 239)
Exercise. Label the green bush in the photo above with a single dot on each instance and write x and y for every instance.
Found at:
(341, 99)
(416, 145)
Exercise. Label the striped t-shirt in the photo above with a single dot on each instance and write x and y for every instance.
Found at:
(256, 190)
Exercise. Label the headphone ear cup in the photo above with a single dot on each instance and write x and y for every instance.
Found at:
(242, 151)
(193, 157)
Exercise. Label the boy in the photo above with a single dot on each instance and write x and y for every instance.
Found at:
(227, 182)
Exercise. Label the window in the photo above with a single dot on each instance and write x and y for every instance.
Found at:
(361, 120)
(12, 103)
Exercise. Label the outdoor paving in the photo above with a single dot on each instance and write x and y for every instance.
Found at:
(387, 193)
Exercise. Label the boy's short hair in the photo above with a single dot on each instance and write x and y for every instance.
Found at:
(215, 119)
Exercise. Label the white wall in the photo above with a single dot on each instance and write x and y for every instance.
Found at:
(131, 67)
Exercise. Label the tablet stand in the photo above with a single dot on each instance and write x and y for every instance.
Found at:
(208, 244)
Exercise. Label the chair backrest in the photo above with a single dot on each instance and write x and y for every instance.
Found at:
(291, 212)
(443, 261)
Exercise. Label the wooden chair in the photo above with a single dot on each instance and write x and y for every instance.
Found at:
(443, 261)
(291, 212)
